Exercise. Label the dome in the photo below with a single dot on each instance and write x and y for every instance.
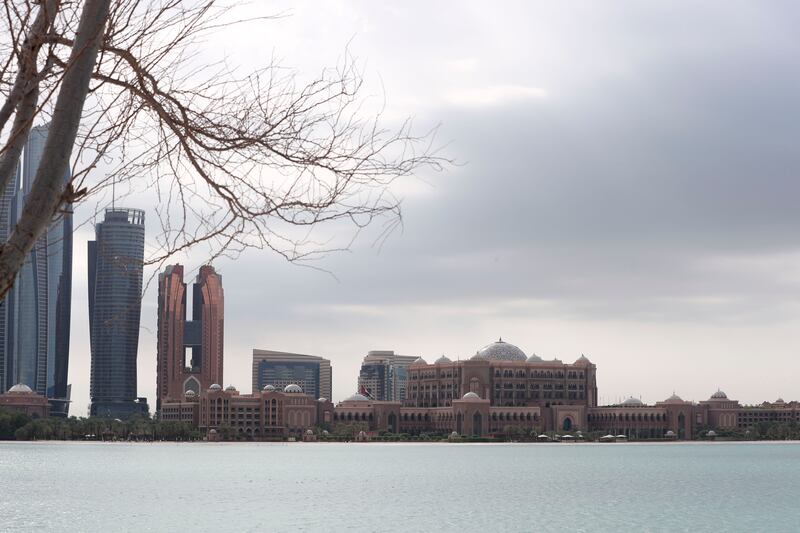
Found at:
(470, 396)
(215, 386)
(419, 361)
(357, 398)
(582, 360)
(309, 432)
(230, 388)
(212, 431)
(443, 360)
(190, 393)
(269, 388)
(20, 388)
(711, 433)
(293, 389)
(477, 357)
(502, 351)
(534, 359)
(719, 395)
(674, 398)
(632, 402)
(322, 400)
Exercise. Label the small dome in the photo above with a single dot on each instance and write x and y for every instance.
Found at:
(309, 432)
(419, 361)
(215, 386)
(357, 398)
(322, 400)
(443, 360)
(779, 400)
(582, 360)
(632, 402)
(454, 434)
(20, 388)
(719, 395)
(293, 389)
(230, 388)
(711, 433)
(477, 357)
(534, 359)
(325, 432)
(269, 388)
(212, 431)
(556, 360)
(190, 393)
(502, 351)
(670, 433)
(674, 398)
(470, 396)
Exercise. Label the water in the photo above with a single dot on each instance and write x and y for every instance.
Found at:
(399, 487)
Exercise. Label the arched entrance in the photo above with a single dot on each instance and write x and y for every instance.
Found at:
(392, 423)
(477, 424)
(567, 425)
(191, 384)
(459, 423)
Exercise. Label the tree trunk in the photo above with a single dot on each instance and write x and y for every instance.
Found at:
(47, 194)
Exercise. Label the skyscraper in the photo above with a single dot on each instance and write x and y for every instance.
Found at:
(116, 260)
(384, 374)
(35, 315)
(280, 369)
(190, 352)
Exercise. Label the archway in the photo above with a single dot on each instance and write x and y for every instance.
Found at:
(459, 423)
(391, 423)
(567, 425)
(477, 424)
(191, 384)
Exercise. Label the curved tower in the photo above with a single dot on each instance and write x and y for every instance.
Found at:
(116, 259)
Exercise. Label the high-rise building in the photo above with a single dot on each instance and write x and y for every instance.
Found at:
(116, 260)
(312, 373)
(190, 352)
(35, 315)
(384, 374)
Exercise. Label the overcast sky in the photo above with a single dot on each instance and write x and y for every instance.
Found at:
(628, 190)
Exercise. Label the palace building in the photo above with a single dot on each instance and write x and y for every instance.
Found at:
(499, 390)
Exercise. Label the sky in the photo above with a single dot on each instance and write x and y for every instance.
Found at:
(626, 188)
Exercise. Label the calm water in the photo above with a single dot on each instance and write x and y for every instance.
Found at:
(394, 487)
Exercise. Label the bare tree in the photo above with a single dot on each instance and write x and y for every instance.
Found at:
(236, 161)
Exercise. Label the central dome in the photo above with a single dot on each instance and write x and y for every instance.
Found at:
(502, 351)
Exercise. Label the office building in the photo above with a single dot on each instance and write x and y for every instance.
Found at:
(35, 315)
(280, 369)
(190, 352)
(383, 375)
(115, 263)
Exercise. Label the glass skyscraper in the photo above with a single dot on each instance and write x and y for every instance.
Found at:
(35, 315)
(384, 374)
(116, 260)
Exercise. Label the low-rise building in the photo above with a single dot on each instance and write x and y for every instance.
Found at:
(22, 399)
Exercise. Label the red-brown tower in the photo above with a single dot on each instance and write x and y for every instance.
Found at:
(190, 352)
